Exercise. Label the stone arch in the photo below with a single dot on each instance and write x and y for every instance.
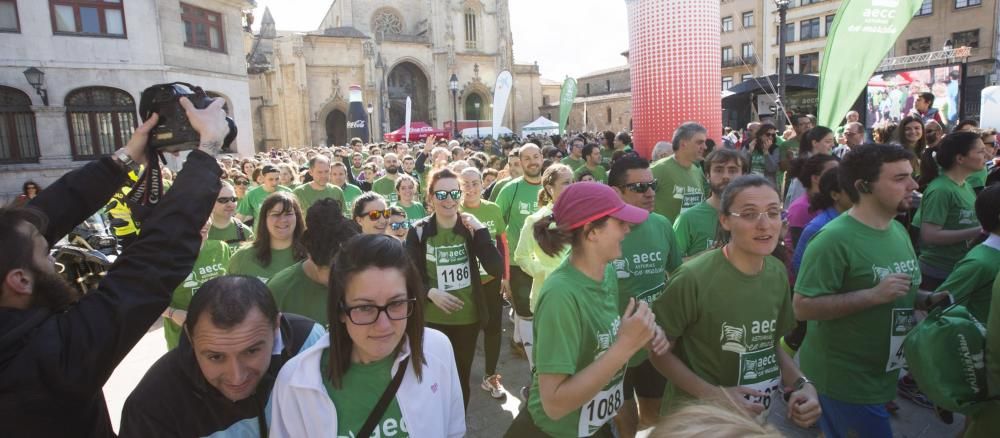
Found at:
(408, 78)
(324, 133)
(469, 107)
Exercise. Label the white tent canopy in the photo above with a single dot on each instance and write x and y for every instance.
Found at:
(541, 125)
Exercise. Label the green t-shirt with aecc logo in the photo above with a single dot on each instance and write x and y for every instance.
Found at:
(953, 207)
(387, 188)
(250, 204)
(696, 229)
(727, 324)
(600, 173)
(244, 262)
(295, 292)
(649, 253)
(231, 234)
(351, 192)
(680, 188)
(213, 258)
(489, 214)
(971, 281)
(414, 212)
(517, 200)
(447, 267)
(576, 321)
(308, 196)
(857, 358)
(498, 186)
(573, 163)
(362, 387)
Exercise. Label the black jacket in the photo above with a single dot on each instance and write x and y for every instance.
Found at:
(174, 399)
(53, 366)
(479, 247)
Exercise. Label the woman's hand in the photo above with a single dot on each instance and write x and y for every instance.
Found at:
(638, 326)
(447, 302)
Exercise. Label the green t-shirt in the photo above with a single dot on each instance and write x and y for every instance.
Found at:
(489, 214)
(978, 179)
(757, 163)
(517, 200)
(231, 234)
(986, 422)
(387, 188)
(351, 192)
(680, 188)
(295, 292)
(606, 154)
(499, 185)
(573, 163)
(857, 358)
(414, 212)
(727, 323)
(972, 278)
(599, 173)
(308, 196)
(447, 267)
(244, 262)
(211, 263)
(784, 148)
(953, 207)
(696, 229)
(361, 388)
(649, 253)
(576, 322)
(250, 204)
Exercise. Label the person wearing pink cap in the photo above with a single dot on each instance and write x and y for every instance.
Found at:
(582, 343)
(725, 311)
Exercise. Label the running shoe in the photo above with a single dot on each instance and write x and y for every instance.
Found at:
(907, 387)
(518, 349)
(492, 385)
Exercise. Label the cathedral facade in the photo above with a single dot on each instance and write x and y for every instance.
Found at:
(392, 49)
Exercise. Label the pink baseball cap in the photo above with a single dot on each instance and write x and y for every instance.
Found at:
(584, 202)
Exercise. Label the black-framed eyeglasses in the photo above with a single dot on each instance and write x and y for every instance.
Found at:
(643, 187)
(441, 195)
(396, 226)
(226, 199)
(367, 314)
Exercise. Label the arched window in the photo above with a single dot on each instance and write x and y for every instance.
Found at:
(101, 120)
(471, 31)
(471, 112)
(18, 137)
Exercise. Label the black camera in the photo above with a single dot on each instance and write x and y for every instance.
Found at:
(173, 131)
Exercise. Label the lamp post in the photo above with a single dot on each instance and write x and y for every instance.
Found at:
(782, 14)
(453, 86)
(36, 78)
(371, 132)
(476, 104)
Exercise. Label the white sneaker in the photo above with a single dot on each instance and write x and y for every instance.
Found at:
(492, 385)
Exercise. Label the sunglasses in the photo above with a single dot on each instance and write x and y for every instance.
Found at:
(376, 214)
(226, 200)
(441, 195)
(242, 183)
(396, 226)
(643, 187)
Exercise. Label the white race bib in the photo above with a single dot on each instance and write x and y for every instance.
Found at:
(601, 409)
(453, 277)
(902, 322)
(759, 371)
(770, 390)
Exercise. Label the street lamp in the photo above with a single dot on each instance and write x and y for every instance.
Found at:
(476, 104)
(36, 78)
(782, 14)
(371, 133)
(453, 86)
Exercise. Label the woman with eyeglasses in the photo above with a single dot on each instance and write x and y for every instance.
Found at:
(29, 190)
(448, 247)
(406, 191)
(726, 310)
(399, 224)
(225, 226)
(277, 244)
(583, 343)
(764, 153)
(372, 213)
(377, 348)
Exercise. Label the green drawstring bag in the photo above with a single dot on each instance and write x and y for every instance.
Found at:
(945, 353)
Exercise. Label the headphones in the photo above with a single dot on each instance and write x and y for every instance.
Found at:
(865, 187)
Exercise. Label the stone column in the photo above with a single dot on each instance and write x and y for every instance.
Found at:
(674, 54)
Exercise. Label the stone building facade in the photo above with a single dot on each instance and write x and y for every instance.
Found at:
(393, 50)
(603, 102)
(742, 36)
(96, 58)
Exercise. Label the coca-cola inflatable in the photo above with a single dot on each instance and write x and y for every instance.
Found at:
(357, 117)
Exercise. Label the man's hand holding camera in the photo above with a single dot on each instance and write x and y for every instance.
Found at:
(209, 122)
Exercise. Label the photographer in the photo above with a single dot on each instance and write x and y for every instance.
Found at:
(58, 349)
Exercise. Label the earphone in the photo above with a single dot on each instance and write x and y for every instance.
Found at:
(865, 187)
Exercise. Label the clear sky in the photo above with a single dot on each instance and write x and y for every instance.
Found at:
(566, 37)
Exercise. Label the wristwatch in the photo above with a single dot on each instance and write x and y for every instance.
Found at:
(801, 382)
(125, 160)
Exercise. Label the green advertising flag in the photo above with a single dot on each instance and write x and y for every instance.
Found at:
(862, 33)
(566, 103)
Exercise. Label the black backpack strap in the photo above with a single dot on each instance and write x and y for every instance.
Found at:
(383, 403)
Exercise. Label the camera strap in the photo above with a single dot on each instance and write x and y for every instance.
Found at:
(148, 190)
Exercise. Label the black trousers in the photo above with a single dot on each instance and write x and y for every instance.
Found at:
(493, 329)
(463, 341)
(520, 291)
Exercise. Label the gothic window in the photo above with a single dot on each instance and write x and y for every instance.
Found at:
(18, 138)
(388, 22)
(101, 119)
(471, 31)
